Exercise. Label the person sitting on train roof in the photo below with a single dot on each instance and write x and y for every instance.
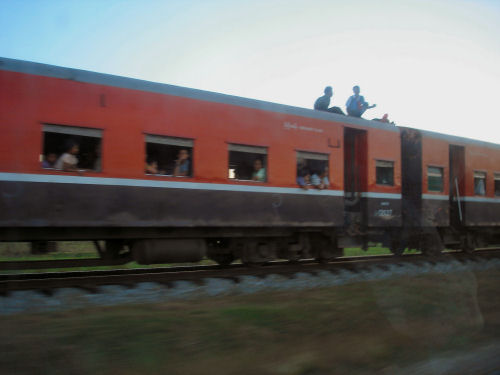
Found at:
(385, 119)
(320, 180)
(322, 103)
(356, 104)
(151, 166)
(259, 172)
(49, 160)
(303, 174)
(68, 161)
(182, 163)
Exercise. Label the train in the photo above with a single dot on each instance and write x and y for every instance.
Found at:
(398, 186)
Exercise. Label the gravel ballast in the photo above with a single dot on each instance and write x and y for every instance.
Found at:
(149, 292)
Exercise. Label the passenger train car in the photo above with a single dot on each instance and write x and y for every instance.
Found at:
(399, 186)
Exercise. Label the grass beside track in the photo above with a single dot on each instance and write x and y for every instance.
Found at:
(20, 251)
(362, 328)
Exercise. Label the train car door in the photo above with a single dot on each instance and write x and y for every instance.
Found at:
(411, 175)
(457, 185)
(355, 159)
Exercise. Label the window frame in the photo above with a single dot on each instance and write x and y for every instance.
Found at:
(249, 149)
(496, 178)
(441, 168)
(72, 130)
(168, 140)
(312, 155)
(480, 174)
(315, 156)
(392, 163)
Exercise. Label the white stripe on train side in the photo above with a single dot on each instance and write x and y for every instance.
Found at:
(369, 194)
(436, 197)
(481, 199)
(107, 181)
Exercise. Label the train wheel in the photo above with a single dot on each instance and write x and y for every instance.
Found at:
(397, 248)
(112, 249)
(468, 243)
(397, 245)
(223, 259)
(325, 248)
(220, 251)
(258, 251)
(431, 243)
(43, 247)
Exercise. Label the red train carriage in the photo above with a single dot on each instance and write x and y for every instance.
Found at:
(451, 191)
(216, 208)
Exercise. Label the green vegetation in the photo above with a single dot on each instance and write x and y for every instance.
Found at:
(66, 250)
(20, 251)
(352, 329)
(86, 249)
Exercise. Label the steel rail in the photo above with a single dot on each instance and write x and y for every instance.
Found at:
(92, 280)
(14, 265)
(89, 262)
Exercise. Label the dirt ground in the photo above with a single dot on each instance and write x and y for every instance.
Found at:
(384, 327)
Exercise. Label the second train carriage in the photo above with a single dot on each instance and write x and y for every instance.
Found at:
(379, 174)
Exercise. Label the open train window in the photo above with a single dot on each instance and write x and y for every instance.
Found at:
(59, 139)
(435, 179)
(384, 171)
(310, 164)
(497, 184)
(170, 156)
(479, 183)
(247, 163)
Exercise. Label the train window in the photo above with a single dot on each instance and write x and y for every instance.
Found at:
(58, 139)
(169, 156)
(384, 171)
(497, 184)
(434, 179)
(479, 183)
(311, 163)
(247, 163)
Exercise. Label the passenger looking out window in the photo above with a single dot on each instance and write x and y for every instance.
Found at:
(49, 160)
(320, 179)
(479, 183)
(303, 174)
(312, 170)
(68, 161)
(182, 163)
(259, 172)
(151, 166)
(247, 163)
(57, 141)
(168, 156)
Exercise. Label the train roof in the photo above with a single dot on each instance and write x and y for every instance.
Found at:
(85, 76)
(454, 139)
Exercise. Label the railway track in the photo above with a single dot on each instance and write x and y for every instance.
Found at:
(60, 263)
(93, 262)
(91, 280)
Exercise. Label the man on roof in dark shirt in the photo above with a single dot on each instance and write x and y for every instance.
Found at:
(322, 103)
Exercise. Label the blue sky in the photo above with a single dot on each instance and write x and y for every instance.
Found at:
(428, 64)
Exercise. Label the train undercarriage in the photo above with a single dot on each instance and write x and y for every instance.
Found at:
(253, 245)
